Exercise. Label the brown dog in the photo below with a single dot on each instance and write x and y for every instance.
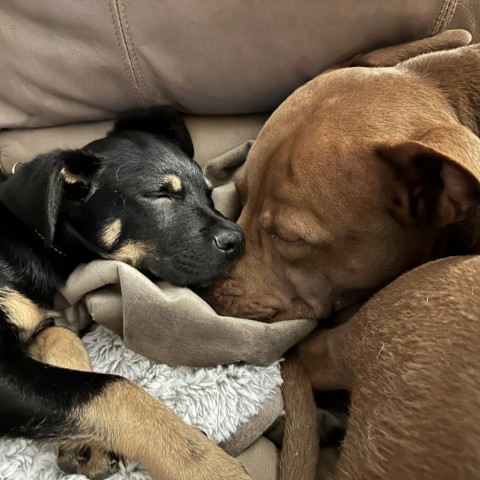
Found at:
(359, 176)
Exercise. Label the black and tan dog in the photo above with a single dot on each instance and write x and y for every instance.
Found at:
(133, 196)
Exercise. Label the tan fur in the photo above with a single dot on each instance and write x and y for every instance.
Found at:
(132, 423)
(208, 182)
(70, 177)
(128, 421)
(22, 312)
(60, 347)
(131, 252)
(111, 233)
(174, 182)
(91, 461)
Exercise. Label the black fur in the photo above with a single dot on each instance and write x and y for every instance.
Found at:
(161, 121)
(54, 210)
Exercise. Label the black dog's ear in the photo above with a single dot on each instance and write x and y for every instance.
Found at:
(163, 121)
(71, 176)
(35, 193)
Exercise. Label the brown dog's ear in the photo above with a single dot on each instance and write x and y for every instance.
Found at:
(435, 179)
(390, 56)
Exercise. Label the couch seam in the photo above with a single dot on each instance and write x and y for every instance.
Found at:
(135, 63)
(452, 12)
(447, 9)
(2, 166)
(122, 44)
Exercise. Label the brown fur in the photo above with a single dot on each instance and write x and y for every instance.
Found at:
(359, 176)
(297, 457)
(411, 360)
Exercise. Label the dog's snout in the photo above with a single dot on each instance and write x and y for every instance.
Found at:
(229, 240)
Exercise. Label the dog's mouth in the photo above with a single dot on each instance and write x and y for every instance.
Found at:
(222, 276)
(187, 274)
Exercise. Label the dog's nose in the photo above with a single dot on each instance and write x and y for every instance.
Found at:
(229, 240)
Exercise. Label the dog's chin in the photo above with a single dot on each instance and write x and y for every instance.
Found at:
(201, 277)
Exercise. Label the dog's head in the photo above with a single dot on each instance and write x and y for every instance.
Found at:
(354, 180)
(133, 196)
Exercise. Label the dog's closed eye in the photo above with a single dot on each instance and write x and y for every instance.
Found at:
(282, 238)
(161, 195)
(171, 188)
(165, 192)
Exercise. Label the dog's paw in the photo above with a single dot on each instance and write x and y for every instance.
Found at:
(93, 462)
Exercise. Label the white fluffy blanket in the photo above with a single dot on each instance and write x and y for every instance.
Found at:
(217, 400)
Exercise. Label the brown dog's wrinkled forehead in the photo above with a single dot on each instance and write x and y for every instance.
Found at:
(345, 112)
(323, 141)
(359, 103)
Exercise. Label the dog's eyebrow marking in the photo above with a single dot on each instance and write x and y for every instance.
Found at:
(111, 233)
(22, 312)
(173, 181)
(131, 252)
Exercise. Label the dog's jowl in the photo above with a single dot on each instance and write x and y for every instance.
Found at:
(134, 196)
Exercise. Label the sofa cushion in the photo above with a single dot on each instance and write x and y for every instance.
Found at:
(89, 59)
(211, 135)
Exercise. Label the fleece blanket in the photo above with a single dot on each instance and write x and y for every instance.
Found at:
(217, 400)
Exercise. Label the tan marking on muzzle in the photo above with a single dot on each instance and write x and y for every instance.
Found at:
(22, 312)
(174, 182)
(131, 252)
(111, 233)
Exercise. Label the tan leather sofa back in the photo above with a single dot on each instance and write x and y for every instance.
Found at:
(83, 60)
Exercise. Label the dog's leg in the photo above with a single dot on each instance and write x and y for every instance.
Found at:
(61, 347)
(410, 358)
(42, 401)
(326, 355)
